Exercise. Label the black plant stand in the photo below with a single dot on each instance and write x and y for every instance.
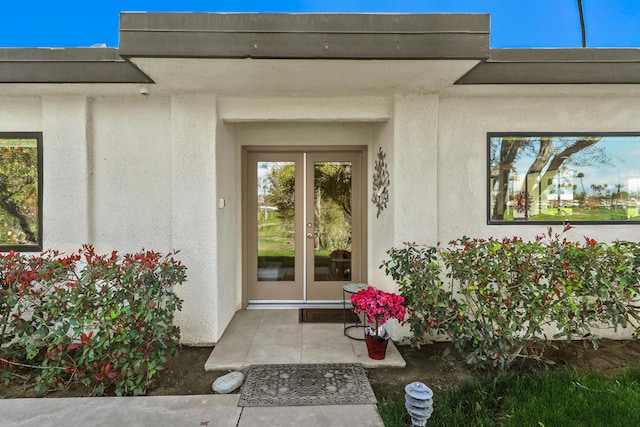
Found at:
(348, 290)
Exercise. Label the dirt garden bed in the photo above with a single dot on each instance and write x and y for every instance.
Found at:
(426, 364)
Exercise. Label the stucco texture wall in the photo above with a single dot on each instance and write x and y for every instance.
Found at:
(127, 173)
(462, 155)
(194, 231)
(410, 144)
(130, 174)
(20, 114)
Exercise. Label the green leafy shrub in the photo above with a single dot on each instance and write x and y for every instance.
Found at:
(416, 270)
(504, 295)
(105, 321)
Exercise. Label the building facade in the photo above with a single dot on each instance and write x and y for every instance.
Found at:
(178, 138)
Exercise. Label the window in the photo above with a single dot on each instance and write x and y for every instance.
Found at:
(555, 177)
(21, 191)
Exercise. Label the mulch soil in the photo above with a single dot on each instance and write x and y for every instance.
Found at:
(187, 375)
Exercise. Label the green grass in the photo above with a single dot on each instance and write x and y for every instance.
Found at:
(274, 235)
(564, 398)
(577, 214)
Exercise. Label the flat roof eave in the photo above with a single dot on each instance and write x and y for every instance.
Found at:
(318, 36)
(304, 36)
(72, 65)
(557, 66)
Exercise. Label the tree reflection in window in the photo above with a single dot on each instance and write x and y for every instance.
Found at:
(564, 177)
(20, 191)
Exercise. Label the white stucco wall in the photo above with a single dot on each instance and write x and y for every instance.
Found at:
(381, 227)
(462, 158)
(130, 166)
(462, 154)
(193, 132)
(126, 173)
(66, 199)
(409, 141)
(20, 114)
(229, 226)
(415, 177)
(131, 172)
(436, 151)
(63, 122)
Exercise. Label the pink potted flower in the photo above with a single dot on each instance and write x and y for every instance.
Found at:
(379, 306)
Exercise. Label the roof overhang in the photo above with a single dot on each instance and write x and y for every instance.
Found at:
(557, 66)
(304, 36)
(79, 65)
(293, 77)
(267, 53)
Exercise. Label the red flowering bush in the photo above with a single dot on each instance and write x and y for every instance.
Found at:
(379, 306)
(105, 321)
(503, 297)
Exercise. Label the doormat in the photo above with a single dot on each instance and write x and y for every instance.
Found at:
(307, 385)
(326, 315)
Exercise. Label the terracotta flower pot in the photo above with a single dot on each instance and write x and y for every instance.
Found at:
(376, 346)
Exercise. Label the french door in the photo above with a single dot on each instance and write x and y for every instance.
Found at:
(304, 223)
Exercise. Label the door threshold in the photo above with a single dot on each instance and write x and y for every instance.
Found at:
(278, 305)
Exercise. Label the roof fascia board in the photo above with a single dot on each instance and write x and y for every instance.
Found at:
(304, 36)
(73, 65)
(583, 55)
(305, 22)
(557, 66)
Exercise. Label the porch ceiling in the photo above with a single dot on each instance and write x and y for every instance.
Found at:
(300, 76)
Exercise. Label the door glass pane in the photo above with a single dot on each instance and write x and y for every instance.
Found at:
(332, 221)
(276, 221)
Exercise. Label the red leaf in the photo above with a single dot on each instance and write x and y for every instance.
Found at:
(84, 338)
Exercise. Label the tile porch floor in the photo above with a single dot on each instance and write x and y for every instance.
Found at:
(276, 336)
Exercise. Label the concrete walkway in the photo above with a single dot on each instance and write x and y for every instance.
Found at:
(253, 337)
(176, 411)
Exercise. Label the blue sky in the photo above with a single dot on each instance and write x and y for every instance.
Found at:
(514, 23)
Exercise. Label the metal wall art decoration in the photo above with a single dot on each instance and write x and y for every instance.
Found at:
(380, 196)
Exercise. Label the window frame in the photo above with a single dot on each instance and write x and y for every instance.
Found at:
(491, 135)
(38, 246)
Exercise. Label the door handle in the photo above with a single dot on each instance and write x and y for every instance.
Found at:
(313, 236)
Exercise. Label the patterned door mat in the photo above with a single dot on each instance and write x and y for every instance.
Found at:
(307, 385)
